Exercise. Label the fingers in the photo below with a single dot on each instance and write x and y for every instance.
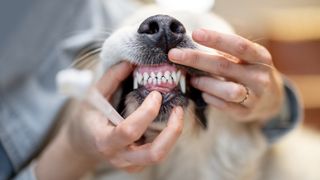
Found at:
(132, 128)
(234, 45)
(113, 77)
(213, 64)
(236, 110)
(155, 152)
(225, 90)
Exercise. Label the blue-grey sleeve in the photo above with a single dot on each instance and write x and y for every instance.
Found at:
(289, 117)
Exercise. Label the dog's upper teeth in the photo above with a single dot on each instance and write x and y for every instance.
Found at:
(164, 80)
(178, 75)
(174, 77)
(183, 84)
(167, 75)
(159, 78)
(153, 75)
(139, 78)
(135, 83)
(159, 75)
(145, 76)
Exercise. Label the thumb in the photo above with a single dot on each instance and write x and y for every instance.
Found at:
(111, 80)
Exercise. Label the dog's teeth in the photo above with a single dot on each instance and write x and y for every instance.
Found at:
(170, 80)
(154, 80)
(135, 83)
(159, 75)
(164, 80)
(174, 77)
(145, 82)
(139, 77)
(159, 81)
(153, 75)
(183, 84)
(178, 75)
(167, 75)
(145, 76)
(149, 80)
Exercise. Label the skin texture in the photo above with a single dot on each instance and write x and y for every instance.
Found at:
(89, 137)
(239, 66)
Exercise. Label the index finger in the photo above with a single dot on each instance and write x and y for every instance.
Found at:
(113, 77)
(234, 45)
(133, 127)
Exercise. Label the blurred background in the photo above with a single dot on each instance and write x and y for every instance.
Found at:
(290, 29)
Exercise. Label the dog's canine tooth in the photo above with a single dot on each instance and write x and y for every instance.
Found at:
(183, 84)
(174, 77)
(167, 75)
(178, 75)
(135, 83)
(139, 77)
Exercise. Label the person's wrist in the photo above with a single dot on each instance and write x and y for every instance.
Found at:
(78, 149)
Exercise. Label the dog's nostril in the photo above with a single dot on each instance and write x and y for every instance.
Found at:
(161, 31)
(151, 27)
(177, 27)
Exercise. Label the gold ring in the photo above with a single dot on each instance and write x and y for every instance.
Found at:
(245, 97)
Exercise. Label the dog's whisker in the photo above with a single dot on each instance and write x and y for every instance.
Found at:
(85, 57)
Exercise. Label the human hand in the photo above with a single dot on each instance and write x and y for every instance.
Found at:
(94, 136)
(90, 138)
(242, 80)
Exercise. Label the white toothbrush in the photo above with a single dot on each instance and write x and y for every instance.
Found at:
(79, 84)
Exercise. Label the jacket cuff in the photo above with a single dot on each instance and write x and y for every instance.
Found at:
(290, 116)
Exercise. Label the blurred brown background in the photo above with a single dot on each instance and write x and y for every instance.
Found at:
(290, 29)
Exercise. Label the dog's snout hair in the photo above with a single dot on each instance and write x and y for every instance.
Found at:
(162, 31)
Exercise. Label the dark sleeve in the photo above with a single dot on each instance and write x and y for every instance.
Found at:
(290, 116)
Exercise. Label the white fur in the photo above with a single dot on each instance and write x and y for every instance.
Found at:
(227, 150)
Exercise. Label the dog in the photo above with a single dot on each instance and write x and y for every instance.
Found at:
(212, 144)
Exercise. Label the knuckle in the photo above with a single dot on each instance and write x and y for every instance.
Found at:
(151, 111)
(263, 79)
(193, 58)
(242, 47)
(223, 66)
(177, 130)
(129, 133)
(236, 93)
(157, 156)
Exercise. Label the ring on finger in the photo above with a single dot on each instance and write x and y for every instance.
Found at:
(245, 97)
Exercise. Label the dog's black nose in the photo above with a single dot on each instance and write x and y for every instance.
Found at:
(162, 31)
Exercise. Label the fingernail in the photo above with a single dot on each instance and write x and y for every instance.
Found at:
(155, 95)
(200, 35)
(178, 109)
(175, 54)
